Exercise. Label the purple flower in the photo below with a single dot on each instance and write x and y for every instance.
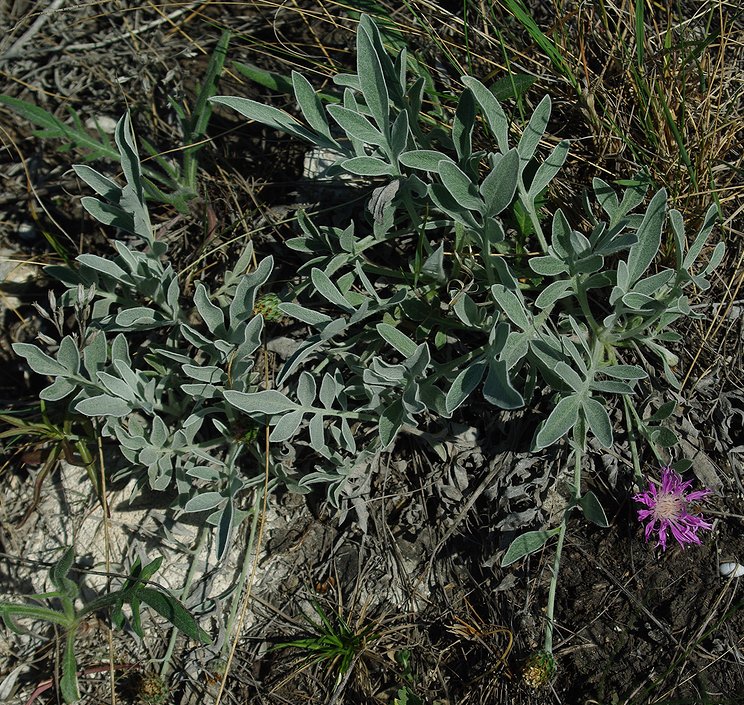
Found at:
(672, 507)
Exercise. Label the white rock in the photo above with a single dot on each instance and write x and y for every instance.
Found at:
(729, 568)
(103, 122)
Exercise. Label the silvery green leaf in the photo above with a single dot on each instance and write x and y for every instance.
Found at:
(130, 164)
(500, 184)
(95, 353)
(464, 385)
(241, 307)
(367, 166)
(534, 131)
(136, 316)
(38, 361)
(593, 510)
(606, 196)
(103, 405)
(434, 265)
(711, 216)
(347, 80)
(399, 135)
(268, 401)
(69, 355)
(212, 315)
(329, 389)
(715, 259)
(390, 422)
(347, 436)
(310, 105)
(467, 311)
(316, 431)
(160, 433)
(204, 473)
(515, 348)
(423, 159)
(611, 387)
(460, 186)
(492, 111)
(286, 426)
(598, 420)
(511, 305)
(462, 127)
(649, 238)
(203, 373)
(640, 302)
(570, 377)
(108, 214)
(306, 315)
(400, 341)
(498, 389)
(272, 117)
(653, 284)
(549, 168)
(107, 266)
(625, 372)
(664, 437)
(553, 292)
(356, 125)
(526, 543)
(547, 265)
(560, 239)
(444, 200)
(117, 387)
(306, 389)
(101, 184)
(203, 502)
(200, 390)
(58, 390)
(560, 422)
(326, 288)
(372, 80)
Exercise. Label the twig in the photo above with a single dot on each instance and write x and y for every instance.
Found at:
(15, 50)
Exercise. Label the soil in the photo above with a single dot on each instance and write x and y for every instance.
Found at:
(416, 559)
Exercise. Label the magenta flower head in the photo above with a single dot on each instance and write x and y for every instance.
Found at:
(671, 507)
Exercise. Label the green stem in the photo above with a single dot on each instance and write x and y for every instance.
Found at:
(247, 563)
(203, 533)
(550, 611)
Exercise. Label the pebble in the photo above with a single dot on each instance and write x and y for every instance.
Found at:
(728, 569)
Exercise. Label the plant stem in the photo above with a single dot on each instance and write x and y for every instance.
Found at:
(550, 610)
(202, 537)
